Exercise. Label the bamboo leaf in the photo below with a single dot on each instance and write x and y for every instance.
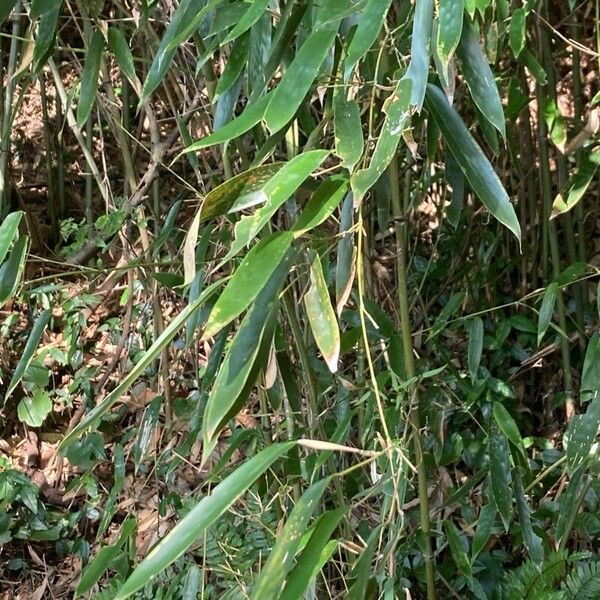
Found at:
(298, 78)
(479, 78)
(9, 230)
(33, 342)
(316, 552)
(321, 205)
(500, 476)
(251, 16)
(276, 191)
(104, 559)
(89, 78)
(508, 426)
(46, 36)
(344, 270)
(348, 130)
(533, 542)
(120, 48)
(451, 14)
(321, 316)
(40, 7)
(472, 160)
(11, 269)
(271, 580)
(546, 310)
(205, 513)
(581, 433)
(6, 9)
(397, 111)
(475, 347)
(235, 64)
(249, 118)
(241, 355)
(239, 192)
(485, 524)
(458, 548)
(248, 279)
(577, 185)
(188, 12)
(517, 32)
(418, 68)
(369, 24)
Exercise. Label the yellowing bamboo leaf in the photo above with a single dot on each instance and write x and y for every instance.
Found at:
(321, 316)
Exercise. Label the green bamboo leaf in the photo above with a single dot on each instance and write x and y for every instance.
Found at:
(581, 433)
(120, 48)
(235, 64)
(370, 22)
(454, 303)
(239, 192)
(89, 78)
(316, 552)
(298, 77)
(458, 548)
(546, 310)
(193, 581)
(583, 429)
(248, 279)
(508, 426)
(475, 347)
(249, 18)
(485, 524)
(271, 580)
(568, 504)
(590, 374)
(41, 7)
(204, 514)
(531, 62)
(321, 316)
(276, 191)
(345, 265)
(145, 431)
(348, 130)
(241, 355)
(187, 11)
(479, 78)
(193, 23)
(517, 31)
(33, 342)
(11, 269)
(6, 9)
(321, 205)
(46, 36)
(94, 416)
(577, 185)
(418, 68)
(397, 111)
(533, 542)
(104, 559)
(249, 118)
(500, 475)
(451, 14)
(361, 568)
(456, 179)
(471, 159)
(9, 231)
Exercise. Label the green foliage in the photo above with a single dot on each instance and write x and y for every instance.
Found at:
(369, 396)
